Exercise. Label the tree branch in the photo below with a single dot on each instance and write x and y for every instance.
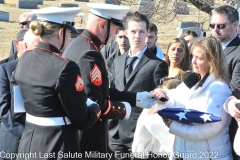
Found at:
(203, 6)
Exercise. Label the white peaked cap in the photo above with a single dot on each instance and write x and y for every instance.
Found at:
(108, 11)
(58, 14)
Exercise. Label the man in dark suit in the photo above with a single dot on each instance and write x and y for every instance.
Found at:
(111, 51)
(84, 50)
(118, 46)
(12, 125)
(146, 72)
(224, 24)
(151, 41)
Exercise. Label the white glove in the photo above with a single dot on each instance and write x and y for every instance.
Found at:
(128, 110)
(145, 100)
(89, 102)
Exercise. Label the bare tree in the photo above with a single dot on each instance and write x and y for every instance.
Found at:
(165, 11)
(158, 11)
(201, 5)
(155, 6)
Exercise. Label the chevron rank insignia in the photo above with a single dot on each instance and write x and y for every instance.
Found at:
(188, 116)
(96, 75)
(79, 85)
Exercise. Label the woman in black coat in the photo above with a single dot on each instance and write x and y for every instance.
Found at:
(53, 91)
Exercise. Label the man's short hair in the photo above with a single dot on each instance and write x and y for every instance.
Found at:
(121, 28)
(30, 15)
(153, 28)
(230, 12)
(137, 17)
(187, 33)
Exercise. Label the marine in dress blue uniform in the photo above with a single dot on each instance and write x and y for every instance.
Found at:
(53, 91)
(84, 50)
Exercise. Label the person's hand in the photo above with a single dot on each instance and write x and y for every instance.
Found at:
(167, 122)
(158, 94)
(232, 109)
(153, 109)
(145, 100)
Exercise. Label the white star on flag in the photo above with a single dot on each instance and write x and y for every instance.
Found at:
(186, 110)
(181, 115)
(206, 117)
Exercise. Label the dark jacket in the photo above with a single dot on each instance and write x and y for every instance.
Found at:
(232, 53)
(145, 77)
(84, 50)
(52, 86)
(12, 125)
(11, 58)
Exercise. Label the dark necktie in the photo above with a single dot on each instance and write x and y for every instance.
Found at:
(129, 67)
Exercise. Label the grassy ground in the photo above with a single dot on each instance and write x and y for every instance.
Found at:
(8, 30)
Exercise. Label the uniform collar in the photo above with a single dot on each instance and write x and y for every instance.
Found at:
(48, 46)
(92, 37)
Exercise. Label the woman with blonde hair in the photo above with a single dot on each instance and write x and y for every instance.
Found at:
(177, 58)
(53, 90)
(207, 140)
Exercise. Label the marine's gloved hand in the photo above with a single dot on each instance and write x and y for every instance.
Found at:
(191, 78)
(145, 100)
(90, 102)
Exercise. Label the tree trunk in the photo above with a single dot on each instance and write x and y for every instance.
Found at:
(203, 6)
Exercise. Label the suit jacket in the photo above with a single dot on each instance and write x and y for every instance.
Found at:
(232, 53)
(11, 58)
(84, 50)
(13, 49)
(145, 77)
(110, 51)
(11, 128)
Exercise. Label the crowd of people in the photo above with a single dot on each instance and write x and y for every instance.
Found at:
(97, 96)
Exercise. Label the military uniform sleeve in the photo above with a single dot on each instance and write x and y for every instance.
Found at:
(95, 76)
(128, 96)
(70, 88)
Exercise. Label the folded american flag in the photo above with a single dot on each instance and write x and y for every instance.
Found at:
(188, 116)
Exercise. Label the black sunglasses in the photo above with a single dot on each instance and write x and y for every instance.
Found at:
(219, 26)
(24, 23)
